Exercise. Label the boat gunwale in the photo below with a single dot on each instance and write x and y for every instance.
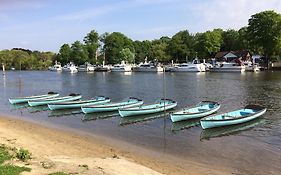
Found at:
(78, 102)
(105, 105)
(194, 106)
(234, 118)
(33, 96)
(58, 98)
(142, 109)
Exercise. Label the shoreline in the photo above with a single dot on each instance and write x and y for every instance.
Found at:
(68, 150)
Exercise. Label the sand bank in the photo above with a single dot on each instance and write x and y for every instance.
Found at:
(60, 150)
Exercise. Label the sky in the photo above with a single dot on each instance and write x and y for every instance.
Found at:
(45, 25)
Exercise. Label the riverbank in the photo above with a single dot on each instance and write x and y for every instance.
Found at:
(55, 150)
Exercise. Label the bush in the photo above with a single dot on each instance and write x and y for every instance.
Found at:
(23, 154)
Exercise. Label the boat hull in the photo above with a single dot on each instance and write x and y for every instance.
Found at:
(94, 109)
(47, 101)
(140, 111)
(26, 99)
(181, 116)
(77, 105)
(206, 124)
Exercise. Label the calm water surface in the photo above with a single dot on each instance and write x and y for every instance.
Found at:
(250, 148)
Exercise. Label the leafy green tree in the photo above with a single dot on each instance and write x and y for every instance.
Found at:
(230, 40)
(209, 43)
(92, 44)
(78, 53)
(113, 45)
(143, 49)
(159, 50)
(264, 32)
(181, 46)
(64, 55)
(127, 55)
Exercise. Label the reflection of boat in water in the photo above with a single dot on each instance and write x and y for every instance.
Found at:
(64, 112)
(101, 115)
(35, 109)
(177, 126)
(19, 106)
(230, 130)
(141, 118)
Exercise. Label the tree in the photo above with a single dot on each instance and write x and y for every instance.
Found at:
(181, 46)
(127, 55)
(264, 32)
(230, 40)
(159, 50)
(209, 43)
(78, 53)
(113, 45)
(92, 43)
(64, 54)
(143, 49)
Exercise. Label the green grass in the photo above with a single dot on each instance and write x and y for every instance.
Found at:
(9, 169)
(58, 173)
(4, 154)
(12, 169)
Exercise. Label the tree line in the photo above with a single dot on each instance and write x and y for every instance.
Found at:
(261, 36)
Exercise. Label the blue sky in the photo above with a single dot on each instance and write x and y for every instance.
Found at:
(47, 24)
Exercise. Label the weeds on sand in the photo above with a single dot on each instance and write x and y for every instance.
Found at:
(23, 154)
(58, 173)
(8, 169)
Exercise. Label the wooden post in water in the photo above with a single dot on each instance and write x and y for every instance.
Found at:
(3, 68)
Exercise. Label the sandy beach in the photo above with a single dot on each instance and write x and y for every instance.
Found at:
(56, 150)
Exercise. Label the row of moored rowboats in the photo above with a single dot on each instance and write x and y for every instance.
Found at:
(134, 106)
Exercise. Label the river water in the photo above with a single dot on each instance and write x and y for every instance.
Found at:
(250, 148)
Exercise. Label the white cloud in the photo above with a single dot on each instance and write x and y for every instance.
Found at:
(231, 14)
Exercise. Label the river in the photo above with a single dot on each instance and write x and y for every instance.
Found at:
(250, 148)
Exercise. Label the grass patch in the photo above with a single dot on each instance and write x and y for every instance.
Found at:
(12, 169)
(58, 173)
(8, 169)
(4, 154)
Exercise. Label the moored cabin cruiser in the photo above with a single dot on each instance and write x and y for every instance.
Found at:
(56, 67)
(195, 66)
(228, 67)
(121, 67)
(70, 67)
(87, 67)
(148, 67)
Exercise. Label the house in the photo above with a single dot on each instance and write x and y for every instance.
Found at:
(231, 56)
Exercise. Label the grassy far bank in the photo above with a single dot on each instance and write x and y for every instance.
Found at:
(7, 154)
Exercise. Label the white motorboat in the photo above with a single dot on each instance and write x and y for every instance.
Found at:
(87, 67)
(227, 67)
(195, 66)
(56, 67)
(121, 67)
(70, 67)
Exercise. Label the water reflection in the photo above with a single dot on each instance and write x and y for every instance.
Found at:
(103, 115)
(36, 109)
(18, 106)
(141, 118)
(64, 112)
(229, 130)
(177, 126)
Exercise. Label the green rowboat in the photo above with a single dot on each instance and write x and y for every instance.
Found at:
(78, 104)
(71, 97)
(36, 97)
